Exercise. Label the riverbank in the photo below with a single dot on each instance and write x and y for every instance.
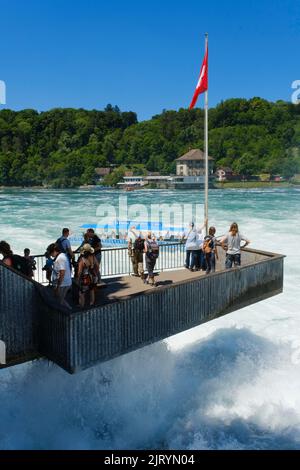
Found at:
(225, 185)
(252, 185)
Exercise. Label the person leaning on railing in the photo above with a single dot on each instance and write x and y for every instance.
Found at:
(30, 261)
(48, 266)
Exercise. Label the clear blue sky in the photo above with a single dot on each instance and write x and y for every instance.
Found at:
(145, 55)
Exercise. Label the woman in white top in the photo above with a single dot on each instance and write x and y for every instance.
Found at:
(193, 247)
(61, 274)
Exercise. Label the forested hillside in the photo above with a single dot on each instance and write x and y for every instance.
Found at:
(62, 147)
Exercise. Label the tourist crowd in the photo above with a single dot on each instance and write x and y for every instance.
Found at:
(61, 266)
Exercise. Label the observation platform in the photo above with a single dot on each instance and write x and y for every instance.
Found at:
(129, 314)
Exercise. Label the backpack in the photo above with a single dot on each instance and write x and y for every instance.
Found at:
(88, 275)
(139, 245)
(86, 279)
(153, 249)
(208, 244)
(20, 264)
(60, 244)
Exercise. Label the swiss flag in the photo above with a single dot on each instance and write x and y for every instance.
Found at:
(202, 84)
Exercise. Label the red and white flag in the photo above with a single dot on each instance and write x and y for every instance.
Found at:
(202, 84)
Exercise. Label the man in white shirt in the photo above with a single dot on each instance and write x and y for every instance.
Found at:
(61, 275)
(193, 246)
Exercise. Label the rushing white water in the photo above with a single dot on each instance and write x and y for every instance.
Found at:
(231, 383)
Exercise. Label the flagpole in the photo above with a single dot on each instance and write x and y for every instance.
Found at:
(206, 149)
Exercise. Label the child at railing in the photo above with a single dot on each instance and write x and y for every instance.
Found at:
(48, 267)
(31, 263)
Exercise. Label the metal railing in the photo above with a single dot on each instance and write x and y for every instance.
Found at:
(116, 262)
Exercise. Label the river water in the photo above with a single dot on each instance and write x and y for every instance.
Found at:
(233, 383)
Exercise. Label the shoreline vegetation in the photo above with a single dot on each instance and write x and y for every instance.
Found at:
(63, 147)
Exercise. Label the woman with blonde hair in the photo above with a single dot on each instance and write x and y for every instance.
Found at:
(231, 243)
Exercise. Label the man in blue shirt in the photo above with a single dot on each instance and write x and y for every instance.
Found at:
(65, 245)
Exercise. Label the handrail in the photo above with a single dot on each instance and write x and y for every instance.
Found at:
(120, 248)
(116, 262)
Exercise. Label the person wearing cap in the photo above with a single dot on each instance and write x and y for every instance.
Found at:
(88, 268)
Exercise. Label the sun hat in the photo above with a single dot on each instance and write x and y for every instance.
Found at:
(86, 248)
